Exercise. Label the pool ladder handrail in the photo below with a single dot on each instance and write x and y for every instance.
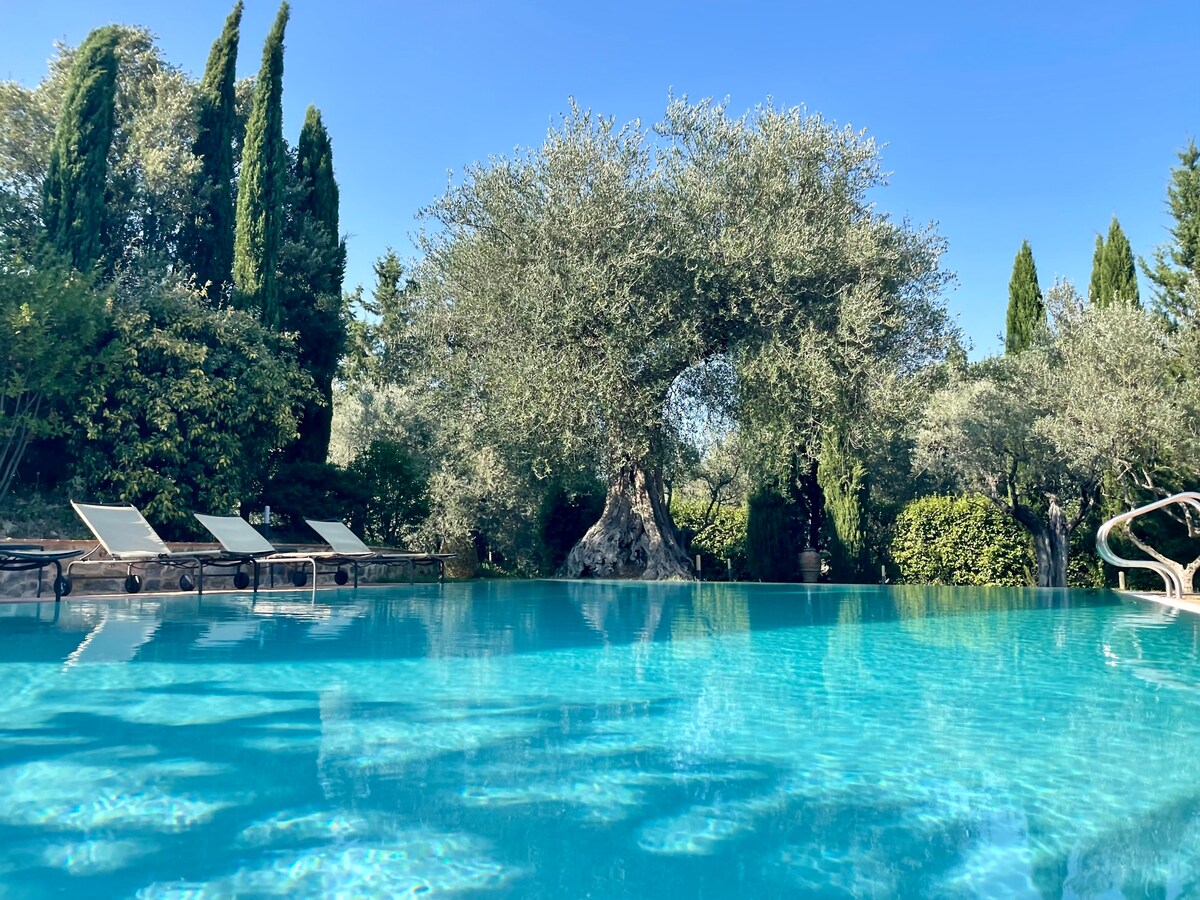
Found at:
(1170, 577)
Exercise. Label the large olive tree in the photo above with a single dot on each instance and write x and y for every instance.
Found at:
(577, 291)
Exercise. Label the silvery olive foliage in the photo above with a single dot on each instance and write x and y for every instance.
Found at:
(572, 293)
(1105, 391)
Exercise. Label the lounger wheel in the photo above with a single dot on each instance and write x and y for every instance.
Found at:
(299, 579)
(133, 583)
(341, 576)
(62, 585)
(241, 580)
(186, 583)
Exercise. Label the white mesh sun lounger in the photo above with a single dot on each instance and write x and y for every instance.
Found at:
(128, 538)
(350, 547)
(239, 538)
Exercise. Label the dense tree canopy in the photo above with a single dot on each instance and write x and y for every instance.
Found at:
(653, 270)
(50, 318)
(1098, 394)
(186, 406)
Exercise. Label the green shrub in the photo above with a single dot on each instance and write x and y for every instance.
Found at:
(962, 540)
(394, 485)
(719, 543)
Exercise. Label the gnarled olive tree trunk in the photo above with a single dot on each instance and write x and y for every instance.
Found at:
(635, 537)
(1051, 542)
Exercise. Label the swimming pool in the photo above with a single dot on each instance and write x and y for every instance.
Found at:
(554, 739)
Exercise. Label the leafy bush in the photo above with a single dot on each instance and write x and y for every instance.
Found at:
(394, 485)
(185, 407)
(719, 542)
(50, 319)
(962, 540)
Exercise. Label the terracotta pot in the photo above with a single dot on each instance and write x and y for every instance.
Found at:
(810, 566)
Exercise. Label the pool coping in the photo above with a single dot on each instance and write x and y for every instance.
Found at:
(1190, 602)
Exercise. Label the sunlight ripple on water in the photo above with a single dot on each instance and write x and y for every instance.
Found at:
(552, 739)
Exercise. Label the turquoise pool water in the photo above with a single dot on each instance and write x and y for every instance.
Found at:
(553, 739)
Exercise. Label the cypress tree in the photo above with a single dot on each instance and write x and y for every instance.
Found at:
(1114, 276)
(261, 187)
(73, 193)
(314, 169)
(1179, 259)
(843, 480)
(314, 308)
(1120, 274)
(1026, 308)
(771, 548)
(1095, 283)
(208, 243)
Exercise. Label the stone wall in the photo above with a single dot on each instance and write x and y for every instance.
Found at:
(110, 578)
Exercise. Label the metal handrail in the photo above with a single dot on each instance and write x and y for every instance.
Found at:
(1170, 577)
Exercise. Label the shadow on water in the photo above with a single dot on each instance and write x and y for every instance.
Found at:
(556, 739)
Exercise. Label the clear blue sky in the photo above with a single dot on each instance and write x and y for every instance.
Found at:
(1002, 121)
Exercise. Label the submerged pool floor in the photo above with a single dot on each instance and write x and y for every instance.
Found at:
(554, 739)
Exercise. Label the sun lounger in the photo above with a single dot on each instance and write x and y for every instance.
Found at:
(27, 557)
(350, 547)
(127, 537)
(239, 537)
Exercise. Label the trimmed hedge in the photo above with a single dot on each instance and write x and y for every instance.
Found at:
(962, 540)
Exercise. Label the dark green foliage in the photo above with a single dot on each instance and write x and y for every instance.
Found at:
(1095, 286)
(963, 540)
(307, 490)
(207, 245)
(313, 262)
(1026, 308)
(261, 187)
(1179, 259)
(566, 513)
(719, 541)
(50, 319)
(385, 349)
(772, 532)
(186, 406)
(394, 481)
(73, 201)
(314, 168)
(843, 480)
(1114, 276)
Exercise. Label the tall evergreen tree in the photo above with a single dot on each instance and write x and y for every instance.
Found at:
(1179, 259)
(73, 193)
(313, 305)
(843, 480)
(1114, 276)
(207, 246)
(1095, 285)
(261, 187)
(1026, 308)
